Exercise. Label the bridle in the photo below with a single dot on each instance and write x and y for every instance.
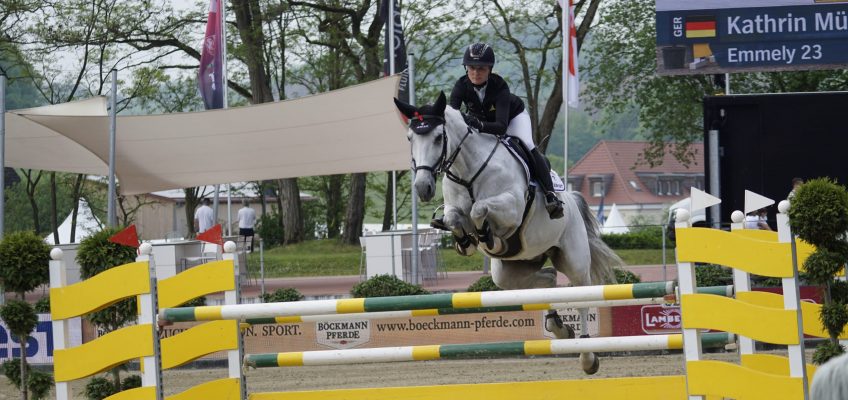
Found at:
(445, 162)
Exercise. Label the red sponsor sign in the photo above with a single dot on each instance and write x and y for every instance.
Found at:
(659, 319)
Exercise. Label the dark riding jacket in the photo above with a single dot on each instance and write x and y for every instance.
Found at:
(499, 106)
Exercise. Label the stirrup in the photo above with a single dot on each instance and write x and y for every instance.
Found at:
(553, 205)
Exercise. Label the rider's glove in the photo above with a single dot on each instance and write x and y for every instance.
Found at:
(472, 121)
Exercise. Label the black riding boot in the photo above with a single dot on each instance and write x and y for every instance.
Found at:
(541, 170)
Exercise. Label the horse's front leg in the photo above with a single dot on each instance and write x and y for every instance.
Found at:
(461, 228)
(496, 217)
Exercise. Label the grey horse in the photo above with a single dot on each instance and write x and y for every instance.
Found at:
(485, 194)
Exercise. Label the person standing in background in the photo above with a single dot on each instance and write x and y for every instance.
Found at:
(246, 222)
(203, 217)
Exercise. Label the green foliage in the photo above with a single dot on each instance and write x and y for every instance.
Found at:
(484, 284)
(99, 388)
(42, 306)
(281, 295)
(713, 275)
(646, 238)
(131, 382)
(195, 302)
(834, 316)
(385, 285)
(20, 317)
(625, 276)
(18, 213)
(822, 266)
(827, 350)
(95, 255)
(24, 262)
(270, 229)
(39, 384)
(819, 214)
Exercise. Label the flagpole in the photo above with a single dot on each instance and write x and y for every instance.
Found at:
(566, 52)
(391, 33)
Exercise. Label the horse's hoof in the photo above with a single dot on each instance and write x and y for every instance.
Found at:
(464, 251)
(595, 363)
(553, 324)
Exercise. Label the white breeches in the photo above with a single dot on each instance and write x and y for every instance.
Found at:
(520, 127)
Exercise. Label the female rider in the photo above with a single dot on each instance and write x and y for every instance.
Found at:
(491, 108)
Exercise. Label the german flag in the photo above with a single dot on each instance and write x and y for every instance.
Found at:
(700, 26)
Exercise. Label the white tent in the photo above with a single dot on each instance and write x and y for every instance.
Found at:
(614, 223)
(355, 129)
(87, 224)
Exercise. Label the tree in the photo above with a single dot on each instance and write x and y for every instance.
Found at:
(819, 215)
(24, 265)
(95, 255)
(620, 73)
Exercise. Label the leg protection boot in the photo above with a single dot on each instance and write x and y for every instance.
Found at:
(542, 174)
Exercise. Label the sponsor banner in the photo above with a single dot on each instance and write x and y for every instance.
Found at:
(662, 319)
(39, 348)
(719, 36)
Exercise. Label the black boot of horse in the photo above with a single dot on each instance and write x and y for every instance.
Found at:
(541, 172)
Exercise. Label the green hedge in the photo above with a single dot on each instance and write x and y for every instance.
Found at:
(644, 238)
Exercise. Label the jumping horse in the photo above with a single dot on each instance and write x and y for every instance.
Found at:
(492, 206)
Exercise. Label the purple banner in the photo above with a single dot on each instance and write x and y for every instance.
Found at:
(210, 77)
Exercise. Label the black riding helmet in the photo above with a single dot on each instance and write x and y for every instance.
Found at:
(479, 54)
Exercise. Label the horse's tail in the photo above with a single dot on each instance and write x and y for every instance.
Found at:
(604, 258)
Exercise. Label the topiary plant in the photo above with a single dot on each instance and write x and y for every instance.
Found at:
(625, 276)
(385, 285)
(24, 262)
(484, 284)
(99, 388)
(21, 319)
(281, 295)
(95, 255)
(818, 214)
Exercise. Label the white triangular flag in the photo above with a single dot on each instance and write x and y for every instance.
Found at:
(754, 202)
(702, 200)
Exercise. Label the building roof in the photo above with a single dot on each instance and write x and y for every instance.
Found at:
(628, 181)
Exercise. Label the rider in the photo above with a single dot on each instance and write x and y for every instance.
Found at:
(491, 108)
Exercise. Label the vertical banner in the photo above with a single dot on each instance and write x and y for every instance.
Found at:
(210, 77)
(573, 78)
(399, 50)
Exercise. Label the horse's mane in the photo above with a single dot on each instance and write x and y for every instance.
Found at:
(454, 120)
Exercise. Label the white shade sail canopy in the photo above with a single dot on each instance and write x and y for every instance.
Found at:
(355, 129)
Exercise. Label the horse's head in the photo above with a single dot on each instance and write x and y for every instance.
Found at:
(426, 135)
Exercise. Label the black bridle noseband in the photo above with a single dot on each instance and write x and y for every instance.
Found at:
(445, 162)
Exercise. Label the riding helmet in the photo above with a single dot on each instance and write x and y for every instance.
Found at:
(479, 54)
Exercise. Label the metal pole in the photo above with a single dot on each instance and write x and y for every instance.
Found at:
(715, 190)
(215, 203)
(411, 58)
(113, 111)
(391, 34)
(2, 154)
(261, 267)
(566, 53)
(229, 211)
(664, 231)
(727, 83)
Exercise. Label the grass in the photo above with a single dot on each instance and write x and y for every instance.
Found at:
(329, 258)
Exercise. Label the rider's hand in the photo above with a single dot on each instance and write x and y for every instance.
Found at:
(472, 121)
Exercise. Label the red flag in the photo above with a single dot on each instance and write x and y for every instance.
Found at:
(210, 77)
(573, 78)
(212, 235)
(126, 237)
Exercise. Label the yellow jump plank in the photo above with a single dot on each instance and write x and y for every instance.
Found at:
(647, 388)
(101, 290)
(216, 276)
(104, 352)
(139, 393)
(222, 389)
(718, 378)
(809, 311)
(199, 341)
(766, 324)
(725, 248)
(771, 364)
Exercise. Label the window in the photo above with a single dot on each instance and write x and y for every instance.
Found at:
(675, 188)
(597, 188)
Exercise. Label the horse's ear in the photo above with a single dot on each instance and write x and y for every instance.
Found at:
(405, 109)
(440, 105)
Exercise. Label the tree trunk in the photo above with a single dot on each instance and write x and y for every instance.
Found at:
(291, 211)
(549, 116)
(355, 210)
(24, 393)
(54, 218)
(116, 378)
(76, 198)
(387, 210)
(192, 200)
(249, 22)
(31, 185)
(334, 212)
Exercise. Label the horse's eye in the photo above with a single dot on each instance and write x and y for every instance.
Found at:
(439, 139)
